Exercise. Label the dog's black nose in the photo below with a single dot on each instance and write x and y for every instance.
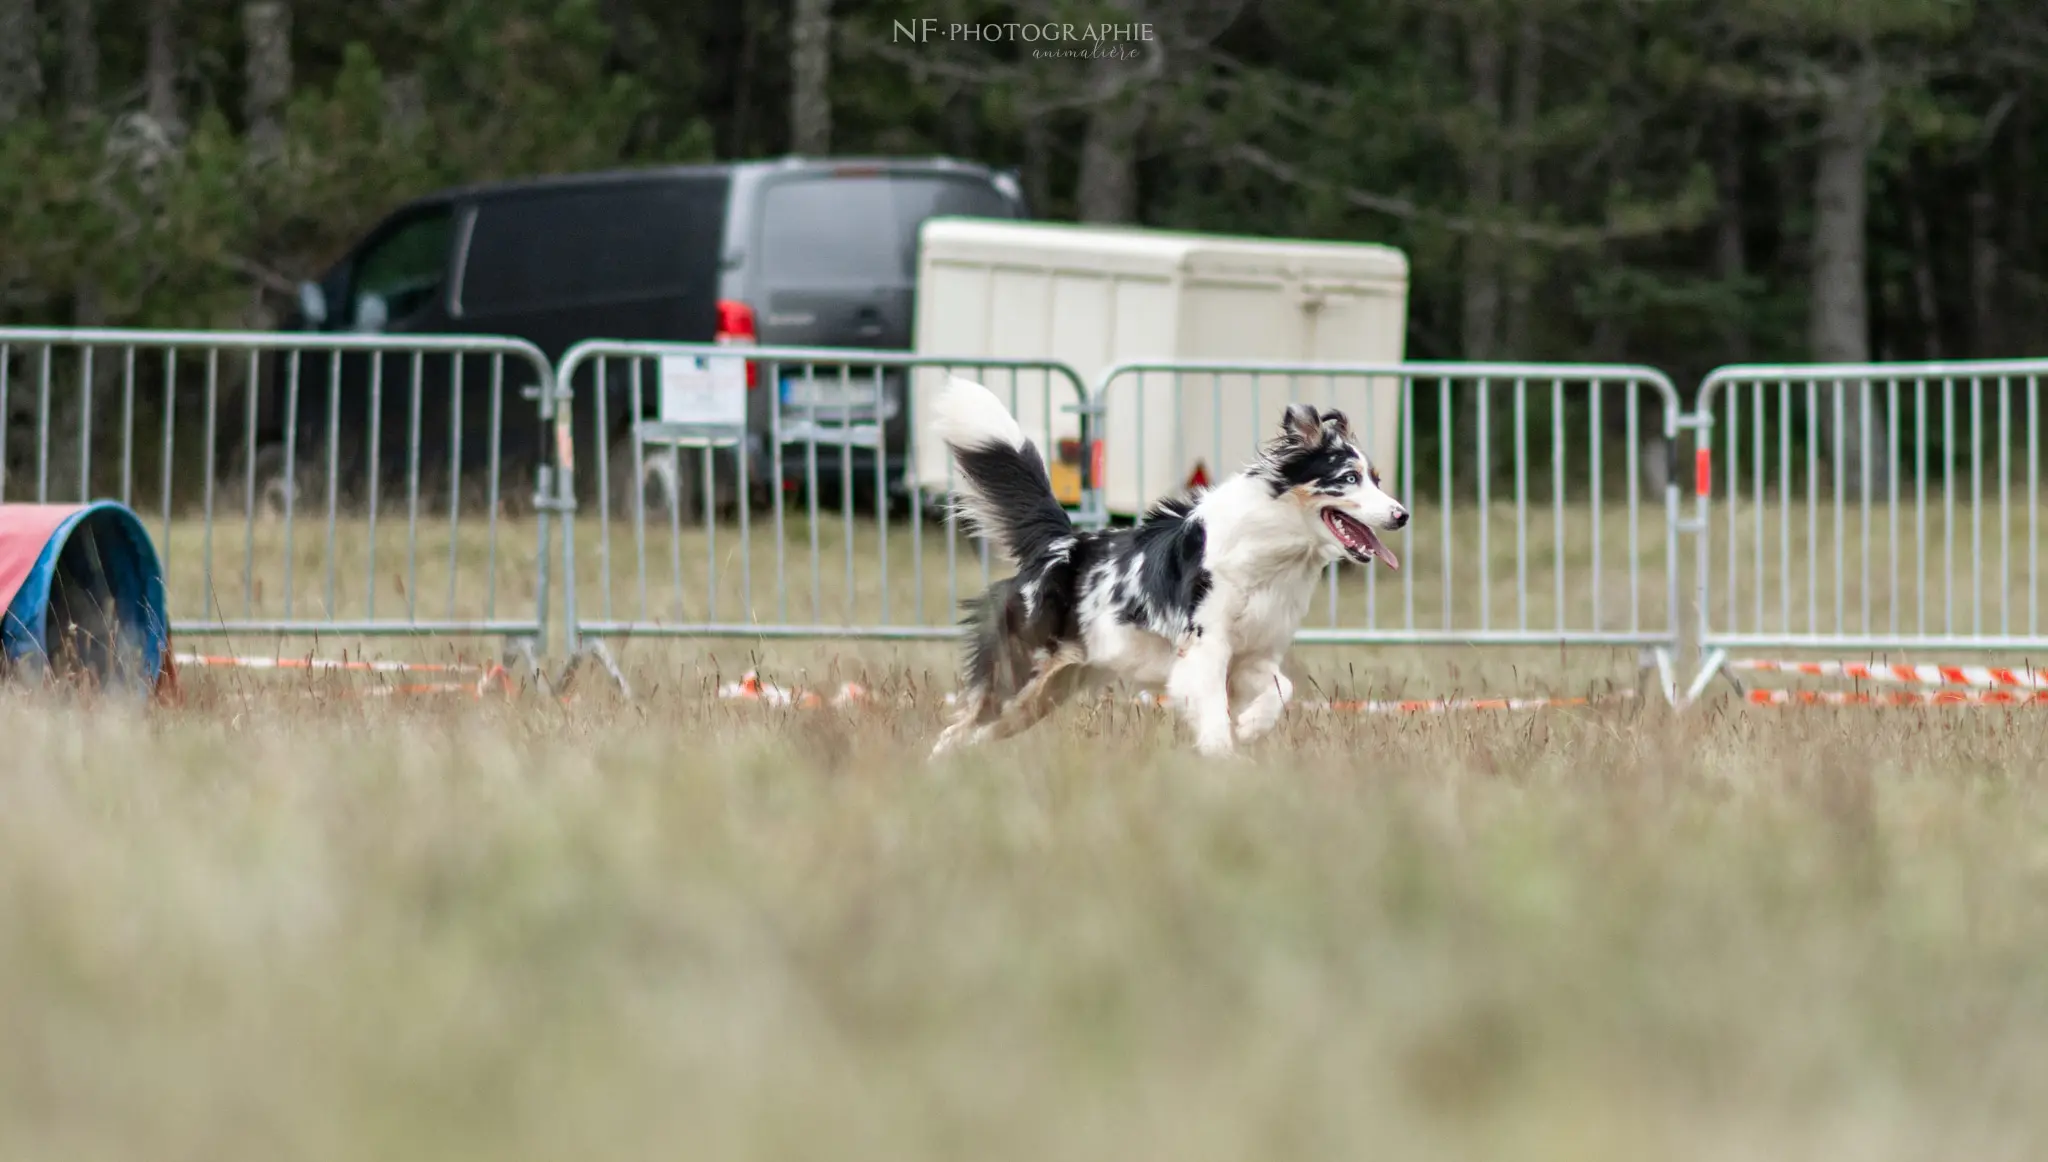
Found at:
(1400, 518)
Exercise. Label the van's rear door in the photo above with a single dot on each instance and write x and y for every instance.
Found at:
(836, 267)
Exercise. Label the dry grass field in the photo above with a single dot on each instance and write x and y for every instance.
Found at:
(279, 920)
(271, 925)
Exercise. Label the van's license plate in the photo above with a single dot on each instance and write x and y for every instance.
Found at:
(827, 395)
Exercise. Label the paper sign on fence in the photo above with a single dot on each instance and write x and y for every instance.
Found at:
(703, 391)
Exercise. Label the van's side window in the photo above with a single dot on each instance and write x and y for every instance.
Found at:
(584, 247)
(404, 272)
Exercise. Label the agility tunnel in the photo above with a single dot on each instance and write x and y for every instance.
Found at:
(83, 597)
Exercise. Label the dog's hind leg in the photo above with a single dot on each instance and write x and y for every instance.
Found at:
(1051, 685)
(1258, 693)
(973, 708)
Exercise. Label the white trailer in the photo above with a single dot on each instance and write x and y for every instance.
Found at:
(1092, 297)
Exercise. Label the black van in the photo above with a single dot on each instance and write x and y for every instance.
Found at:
(795, 252)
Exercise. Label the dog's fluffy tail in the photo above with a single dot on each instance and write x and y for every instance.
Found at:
(1004, 490)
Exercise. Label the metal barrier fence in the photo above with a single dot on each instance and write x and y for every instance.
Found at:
(1529, 530)
(359, 485)
(1869, 508)
(711, 468)
(301, 484)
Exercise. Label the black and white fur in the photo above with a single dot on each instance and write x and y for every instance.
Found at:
(1201, 597)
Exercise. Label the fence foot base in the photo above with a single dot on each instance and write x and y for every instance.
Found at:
(1658, 660)
(592, 651)
(523, 654)
(1710, 667)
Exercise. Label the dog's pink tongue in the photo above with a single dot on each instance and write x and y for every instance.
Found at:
(1380, 550)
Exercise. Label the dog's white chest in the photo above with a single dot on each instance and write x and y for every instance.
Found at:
(1269, 614)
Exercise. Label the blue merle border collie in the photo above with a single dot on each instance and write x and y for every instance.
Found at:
(1201, 597)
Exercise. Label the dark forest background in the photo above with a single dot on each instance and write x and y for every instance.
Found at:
(1679, 182)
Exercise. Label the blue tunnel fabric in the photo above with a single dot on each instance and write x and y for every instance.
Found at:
(102, 553)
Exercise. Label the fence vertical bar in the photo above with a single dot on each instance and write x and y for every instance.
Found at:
(291, 477)
(2033, 505)
(1733, 472)
(600, 403)
(1976, 505)
(1671, 581)
(85, 400)
(1557, 500)
(2004, 507)
(333, 474)
(170, 418)
(249, 489)
(1484, 453)
(494, 455)
(675, 541)
(1838, 455)
(1813, 426)
(1521, 504)
(1758, 456)
(1447, 440)
(637, 410)
(1408, 457)
(207, 595)
(1594, 419)
(1891, 411)
(456, 390)
(1948, 502)
(43, 431)
(1785, 504)
(1920, 498)
(375, 440)
(846, 474)
(413, 448)
(882, 505)
(1632, 428)
(1863, 397)
(128, 426)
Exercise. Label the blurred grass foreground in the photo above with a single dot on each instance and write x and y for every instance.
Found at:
(283, 923)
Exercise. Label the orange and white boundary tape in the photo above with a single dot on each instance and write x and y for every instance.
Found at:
(1923, 675)
(1897, 698)
(490, 677)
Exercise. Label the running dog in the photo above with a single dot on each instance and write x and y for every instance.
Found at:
(1201, 597)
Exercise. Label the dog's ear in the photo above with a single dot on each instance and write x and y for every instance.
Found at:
(1302, 424)
(1335, 422)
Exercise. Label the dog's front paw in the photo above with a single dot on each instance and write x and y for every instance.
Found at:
(1215, 744)
(1258, 719)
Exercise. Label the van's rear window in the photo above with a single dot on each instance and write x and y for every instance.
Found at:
(833, 231)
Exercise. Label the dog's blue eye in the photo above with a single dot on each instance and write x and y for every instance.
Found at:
(1348, 478)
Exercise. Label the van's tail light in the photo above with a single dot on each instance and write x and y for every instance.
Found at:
(736, 329)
